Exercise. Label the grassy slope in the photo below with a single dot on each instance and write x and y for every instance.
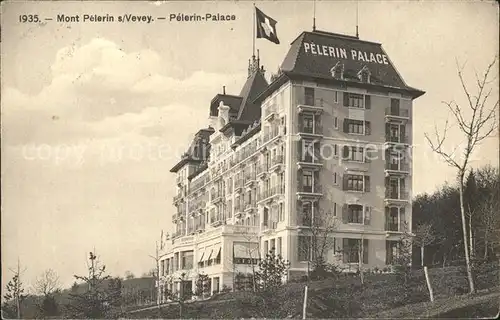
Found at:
(339, 298)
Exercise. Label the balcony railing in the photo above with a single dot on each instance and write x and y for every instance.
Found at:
(276, 190)
(270, 111)
(179, 180)
(277, 160)
(396, 139)
(217, 195)
(402, 113)
(401, 166)
(392, 227)
(394, 195)
(249, 177)
(317, 129)
(310, 189)
(238, 184)
(269, 225)
(261, 169)
(177, 198)
(275, 131)
(250, 205)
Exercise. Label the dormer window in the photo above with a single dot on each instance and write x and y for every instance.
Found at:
(364, 75)
(337, 70)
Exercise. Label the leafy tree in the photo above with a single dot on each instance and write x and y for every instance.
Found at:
(13, 297)
(202, 285)
(129, 275)
(271, 271)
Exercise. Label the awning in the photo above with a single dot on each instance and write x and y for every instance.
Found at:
(217, 249)
(208, 253)
(245, 250)
(202, 251)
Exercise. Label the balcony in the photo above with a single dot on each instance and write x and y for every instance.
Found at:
(390, 139)
(311, 105)
(199, 227)
(238, 185)
(272, 135)
(392, 227)
(250, 178)
(393, 196)
(270, 112)
(276, 163)
(397, 169)
(250, 206)
(217, 196)
(271, 193)
(309, 192)
(177, 198)
(397, 115)
(315, 131)
(179, 180)
(262, 171)
(309, 162)
(269, 226)
(239, 210)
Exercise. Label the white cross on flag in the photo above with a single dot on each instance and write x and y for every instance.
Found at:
(266, 26)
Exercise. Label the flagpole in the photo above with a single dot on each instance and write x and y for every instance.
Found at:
(254, 27)
(314, 15)
(357, 8)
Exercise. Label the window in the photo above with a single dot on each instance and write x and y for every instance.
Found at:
(304, 248)
(355, 213)
(335, 182)
(278, 246)
(306, 213)
(308, 124)
(354, 126)
(391, 251)
(353, 100)
(309, 96)
(266, 247)
(355, 182)
(336, 96)
(335, 150)
(335, 122)
(334, 211)
(307, 179)
(352, 248)
(353, 153)
(281, 212)
(273, 245)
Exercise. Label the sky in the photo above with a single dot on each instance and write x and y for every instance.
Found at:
(94, 115)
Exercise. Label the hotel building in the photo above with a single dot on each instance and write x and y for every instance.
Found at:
(328, 139)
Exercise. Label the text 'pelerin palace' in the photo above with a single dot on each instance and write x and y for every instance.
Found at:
(326, 144)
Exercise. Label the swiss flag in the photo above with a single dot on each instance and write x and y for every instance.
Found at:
(266, 26)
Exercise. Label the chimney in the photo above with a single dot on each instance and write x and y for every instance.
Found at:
(224, 90)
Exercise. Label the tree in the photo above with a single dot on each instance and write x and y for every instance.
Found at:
(479, 126)
(202, 285)
(183, 294)
(15, 291)
(272, 269)
(129, 275)
(102, 295)
(424, 236)
(47, 285)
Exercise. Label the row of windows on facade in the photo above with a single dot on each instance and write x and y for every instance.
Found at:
(351, 100)
(349, 250)
(353, 213)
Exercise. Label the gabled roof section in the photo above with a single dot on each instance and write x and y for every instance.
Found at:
(255, 84)
(313, 54)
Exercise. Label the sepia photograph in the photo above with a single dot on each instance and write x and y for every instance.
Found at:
(292, 159)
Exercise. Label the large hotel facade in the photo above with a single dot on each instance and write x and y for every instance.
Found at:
(328, 139)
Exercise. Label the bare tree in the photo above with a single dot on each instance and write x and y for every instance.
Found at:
(179, 296)
(47, 283)
(475, 129)
(424, 236)
(156, 271)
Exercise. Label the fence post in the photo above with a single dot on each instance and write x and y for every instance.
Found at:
(305, 303)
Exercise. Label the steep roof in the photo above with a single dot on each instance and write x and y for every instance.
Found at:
(314, 54)
(255, 84)
(232, 101)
